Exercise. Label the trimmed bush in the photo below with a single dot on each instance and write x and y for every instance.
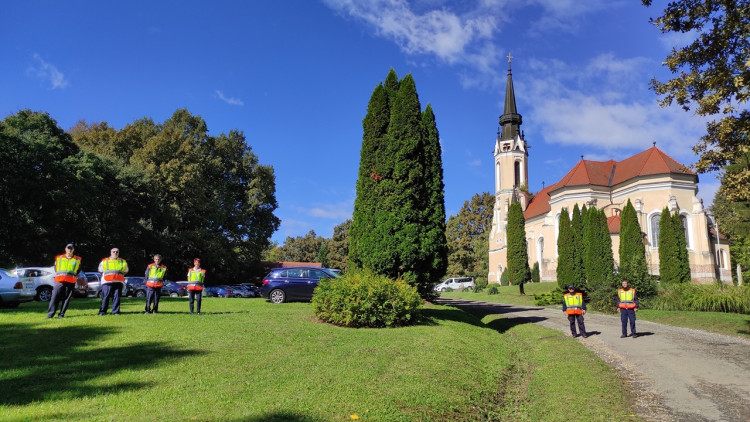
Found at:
(535, 273)
(701, 298)
(603, 298)
(550, 298)
(505, 279)
(365, 299)
(480, 282)
(492, 290)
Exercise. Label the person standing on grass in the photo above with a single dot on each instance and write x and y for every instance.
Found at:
(113, 271)
(66, 268)
(627, 304)
(195, 278)
(154, 282)
(575, 308)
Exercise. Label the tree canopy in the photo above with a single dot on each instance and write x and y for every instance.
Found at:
(711, 74)
(467, 234)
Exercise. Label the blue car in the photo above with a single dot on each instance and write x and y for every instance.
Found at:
(292, 283)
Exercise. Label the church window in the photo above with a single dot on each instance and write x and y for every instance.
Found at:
(684, 222)
(497, 177)
(721, 258)
(540, 251)
(517, 172)
(655, 230)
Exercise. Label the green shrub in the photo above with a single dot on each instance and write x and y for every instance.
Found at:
(480, 282)
(602, 298)
(364, 299)
(467, 289)
(505, 279)
(478, 289)
(549, 298)
(701, 298)
(492, 290)
(448, 289)
(535, 273)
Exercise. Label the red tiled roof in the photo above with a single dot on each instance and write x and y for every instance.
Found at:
(613, 224)
(608, 173)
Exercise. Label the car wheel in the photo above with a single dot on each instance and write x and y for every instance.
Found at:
(44, 294)
(277, 296)
(173, 294)
(140, 293)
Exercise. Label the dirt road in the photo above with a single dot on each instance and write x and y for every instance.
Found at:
(677, 374)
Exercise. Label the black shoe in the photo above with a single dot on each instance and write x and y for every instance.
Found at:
(623, 336)
(635, 335)
(585, 335)
(116, 314)
(100, 314)
(61, 316)
(574, 335)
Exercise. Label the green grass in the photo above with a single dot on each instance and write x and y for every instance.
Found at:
(717, 322)
(249, 360)
(506, 294)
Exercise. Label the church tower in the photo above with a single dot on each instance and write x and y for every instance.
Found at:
(511, 178)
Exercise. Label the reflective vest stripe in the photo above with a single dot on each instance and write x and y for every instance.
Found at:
(156, 275)
(66, 268)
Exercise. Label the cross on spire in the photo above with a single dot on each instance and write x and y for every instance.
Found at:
(509, 57)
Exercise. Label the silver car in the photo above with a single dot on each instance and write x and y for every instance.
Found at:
(44, 281)
(14, 290)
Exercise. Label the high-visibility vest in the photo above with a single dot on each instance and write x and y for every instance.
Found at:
(195, 279)
(627, 298)
(114, 270)
(573, 303)
(156, 275)
(66, 268)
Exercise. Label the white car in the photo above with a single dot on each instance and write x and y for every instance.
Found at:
(456, 283)
(14, 290)
(44, 280)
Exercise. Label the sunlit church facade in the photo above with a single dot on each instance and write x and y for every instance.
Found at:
(651, 180)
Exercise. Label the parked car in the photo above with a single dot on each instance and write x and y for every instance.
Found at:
(14, 290)
(215, 291)
(456, 283)
(173, 289)
(335, 271)
(44, 281)
(134, 286)
(242, 291)
(94, 280)
(292, 283)
(253, 288)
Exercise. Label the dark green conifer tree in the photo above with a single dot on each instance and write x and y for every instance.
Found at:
(576, 223)
(682, 263)
(633, 252)
(667, 249)
(518, 254)
(598, 259)
(565, 252)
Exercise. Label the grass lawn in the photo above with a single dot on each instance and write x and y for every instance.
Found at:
(506, 294)
(249, 360)
(717, 322)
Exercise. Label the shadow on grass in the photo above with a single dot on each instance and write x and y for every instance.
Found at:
(483, 309)
(48, 363)
(431, 316)
(281, 416)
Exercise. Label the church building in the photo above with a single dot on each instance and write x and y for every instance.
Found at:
(651, 180)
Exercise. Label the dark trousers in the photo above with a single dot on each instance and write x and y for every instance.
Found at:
(625, 315)
(111, 290)
(195, 295)
(152, 299)
(581, 327)
(61, 292)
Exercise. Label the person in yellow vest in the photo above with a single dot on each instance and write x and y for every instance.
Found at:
(627, 304)
(66, 270)
(195, 278)
(154, 282)
(113, 271)
(575, 308)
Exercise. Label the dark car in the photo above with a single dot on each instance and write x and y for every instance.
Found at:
(292, 283)
(215, 291)
(173, 289)
(134, 286)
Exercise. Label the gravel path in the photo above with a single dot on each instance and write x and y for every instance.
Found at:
(677, 374)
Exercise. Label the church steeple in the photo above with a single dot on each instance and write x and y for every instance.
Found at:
(510, 120)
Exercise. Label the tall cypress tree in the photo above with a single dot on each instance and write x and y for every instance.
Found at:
(599, 262)
(565, 251)
(681, 263)
(576, 224)
(518, 254)
(633, 252)
(398, 226)
(434, 243)
(667, 248)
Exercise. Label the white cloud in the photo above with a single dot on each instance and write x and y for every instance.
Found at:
(229, 100)
(339, 211)
(47, 73)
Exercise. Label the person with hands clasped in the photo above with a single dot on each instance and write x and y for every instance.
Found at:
(575, 308)
(113, 271)
(66, 268)
(154, 282)
(627, 304)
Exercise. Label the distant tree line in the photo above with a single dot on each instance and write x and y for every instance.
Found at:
(148, 188)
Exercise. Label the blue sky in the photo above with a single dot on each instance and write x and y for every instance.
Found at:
(295, 76)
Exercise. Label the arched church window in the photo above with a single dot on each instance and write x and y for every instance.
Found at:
(540, 251)
(683, 221)
(720, 258)
(517, 173)
(655, 230)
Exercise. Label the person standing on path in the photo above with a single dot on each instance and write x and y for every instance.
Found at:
(627, 304)
(195, 278)
(154, 282)
(113, 271)
(575, 308)
(66, 268)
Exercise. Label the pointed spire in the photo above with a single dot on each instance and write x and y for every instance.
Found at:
(510, 120)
